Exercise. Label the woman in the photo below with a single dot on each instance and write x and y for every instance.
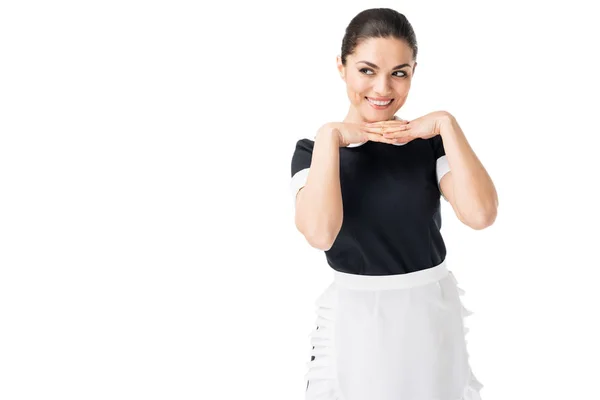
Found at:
(367, 192)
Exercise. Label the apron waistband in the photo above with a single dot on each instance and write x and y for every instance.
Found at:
(397, 281)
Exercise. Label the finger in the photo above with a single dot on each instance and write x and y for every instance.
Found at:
(394, 136)
(378, 138)
(386, 129)
(405, 140)
(387, 121)
(404, 131)
(386, 124)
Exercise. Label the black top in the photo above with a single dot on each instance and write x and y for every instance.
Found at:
(391, 201)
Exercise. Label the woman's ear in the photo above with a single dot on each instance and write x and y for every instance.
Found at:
(414, 67)
(341, 68)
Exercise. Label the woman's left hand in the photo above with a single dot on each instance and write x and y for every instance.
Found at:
(402, 131)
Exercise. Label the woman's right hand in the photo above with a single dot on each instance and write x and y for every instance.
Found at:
(352, 133)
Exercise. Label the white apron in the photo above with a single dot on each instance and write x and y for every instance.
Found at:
(391, 337)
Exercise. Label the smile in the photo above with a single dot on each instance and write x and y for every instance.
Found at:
(379, 104)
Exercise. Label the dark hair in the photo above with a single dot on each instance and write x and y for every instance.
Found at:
(380, 23)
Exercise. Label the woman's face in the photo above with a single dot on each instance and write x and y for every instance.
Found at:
(379, 69)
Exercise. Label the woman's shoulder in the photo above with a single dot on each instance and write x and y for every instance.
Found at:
(305, 143)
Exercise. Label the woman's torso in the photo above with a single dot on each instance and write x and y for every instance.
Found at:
(391, 204)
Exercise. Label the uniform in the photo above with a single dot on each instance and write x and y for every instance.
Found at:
(390, 325)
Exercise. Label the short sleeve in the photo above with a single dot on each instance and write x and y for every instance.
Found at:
(301, 160)
(441, 164)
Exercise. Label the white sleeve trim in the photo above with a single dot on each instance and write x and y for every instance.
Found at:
(298, 182)
(442, 168)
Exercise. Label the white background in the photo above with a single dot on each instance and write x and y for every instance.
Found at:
(147, 243)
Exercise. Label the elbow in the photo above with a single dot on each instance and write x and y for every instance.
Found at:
(482, 220)
(480, 216)
(320, 244)
(321, 238)
(320, 229)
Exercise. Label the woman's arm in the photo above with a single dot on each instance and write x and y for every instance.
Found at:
(468, 187)
(319, 211)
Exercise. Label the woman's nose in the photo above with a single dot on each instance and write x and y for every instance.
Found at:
(382, 87)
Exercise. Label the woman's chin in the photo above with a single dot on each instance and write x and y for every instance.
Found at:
(377, 117)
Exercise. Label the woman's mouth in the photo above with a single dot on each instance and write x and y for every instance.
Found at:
(379, 104)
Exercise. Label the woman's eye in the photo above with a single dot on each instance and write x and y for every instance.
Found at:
(365, 70)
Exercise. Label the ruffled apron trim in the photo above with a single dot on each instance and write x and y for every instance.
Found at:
(473, 385)
(323, 367)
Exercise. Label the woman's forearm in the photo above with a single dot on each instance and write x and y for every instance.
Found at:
(319, 212)
(474, 192)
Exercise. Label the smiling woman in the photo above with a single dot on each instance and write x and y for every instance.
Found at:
(390, 325)
(377, 65)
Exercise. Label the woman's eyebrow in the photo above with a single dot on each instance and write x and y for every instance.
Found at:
(370, 64)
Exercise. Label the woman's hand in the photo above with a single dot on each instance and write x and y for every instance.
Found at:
(399, 131)
(353, 133)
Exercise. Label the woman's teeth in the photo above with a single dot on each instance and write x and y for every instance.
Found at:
(379, 103)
